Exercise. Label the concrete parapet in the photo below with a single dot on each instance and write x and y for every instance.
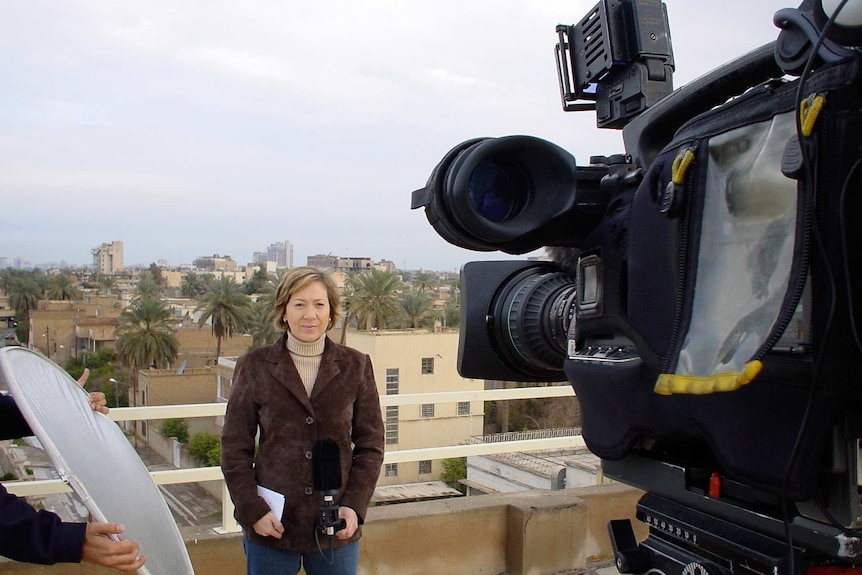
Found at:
(538, 532)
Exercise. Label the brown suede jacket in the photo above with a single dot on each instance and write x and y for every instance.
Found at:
(267, 394)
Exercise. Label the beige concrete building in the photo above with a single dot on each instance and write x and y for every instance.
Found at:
(420, 361)
(215, 262)
(198, 348)
(65, 329)
(108, 258)
(348, 265)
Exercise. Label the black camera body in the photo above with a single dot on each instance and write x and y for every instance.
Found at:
(704, 293)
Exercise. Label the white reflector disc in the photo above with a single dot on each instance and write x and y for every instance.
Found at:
(93, 454)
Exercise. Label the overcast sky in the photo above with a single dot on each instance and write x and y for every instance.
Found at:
(190, 128)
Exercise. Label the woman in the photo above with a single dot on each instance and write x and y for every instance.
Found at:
(303, 388)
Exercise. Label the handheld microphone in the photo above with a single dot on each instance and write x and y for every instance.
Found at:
(326, 475)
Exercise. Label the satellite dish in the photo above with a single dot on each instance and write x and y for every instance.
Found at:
(94, 457)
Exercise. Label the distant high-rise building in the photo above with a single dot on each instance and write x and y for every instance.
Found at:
(215, 263)
(108, 258)
(281, 253)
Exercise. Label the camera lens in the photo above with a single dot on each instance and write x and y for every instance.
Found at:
(496, 190)
(534, 311)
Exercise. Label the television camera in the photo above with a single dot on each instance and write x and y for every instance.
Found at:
(703, 292)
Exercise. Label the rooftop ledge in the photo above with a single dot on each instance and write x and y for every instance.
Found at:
(537, 532)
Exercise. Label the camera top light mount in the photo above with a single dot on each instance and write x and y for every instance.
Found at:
(619, 57)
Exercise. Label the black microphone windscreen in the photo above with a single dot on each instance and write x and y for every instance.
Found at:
(326, 465)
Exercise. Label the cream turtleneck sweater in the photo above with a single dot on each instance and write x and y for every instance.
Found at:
(306, 357)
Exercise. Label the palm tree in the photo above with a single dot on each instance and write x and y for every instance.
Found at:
(147, 286)
(451, 313)
(417, 306)
(42, 280)
(374, 300)
(63, 288)
(145, 338)
(193, 285)
(424, 281)
(258, 281)
(262, 330)
(227, 307)
(158, 276)
(107, 284)
(145, 335)
(6, 278)
(24, 295)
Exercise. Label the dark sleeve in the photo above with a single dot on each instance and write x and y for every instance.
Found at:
(238, 448)
(12, 423)
(369, 441)
(26, 534)
(37, 536)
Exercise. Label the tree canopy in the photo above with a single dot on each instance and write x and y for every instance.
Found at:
(374, 300)
(145, 336)
(226, 307)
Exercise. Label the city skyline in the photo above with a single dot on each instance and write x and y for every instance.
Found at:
(189, 129)
(18, 262)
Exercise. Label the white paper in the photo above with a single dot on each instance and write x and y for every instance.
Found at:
(274, 499)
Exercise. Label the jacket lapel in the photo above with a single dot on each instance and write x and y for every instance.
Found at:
(286, 373)
(330, 368)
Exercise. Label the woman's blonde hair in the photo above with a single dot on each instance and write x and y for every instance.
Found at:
(297, 279)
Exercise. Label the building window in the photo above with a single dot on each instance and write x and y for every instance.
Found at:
(392, 381)
(427, 410)
(424, 467)
(391, 424)
(427, 365)
(463, 408)
(391, 470)
(222, 390)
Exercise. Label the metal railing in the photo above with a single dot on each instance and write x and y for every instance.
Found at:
(518, 442)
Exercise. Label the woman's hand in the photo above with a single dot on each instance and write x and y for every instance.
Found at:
(352, 521)
(269, 526)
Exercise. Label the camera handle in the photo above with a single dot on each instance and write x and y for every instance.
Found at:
(328, 521)
(646, 135)
(799, 34)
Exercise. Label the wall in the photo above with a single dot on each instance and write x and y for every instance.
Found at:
(164, 446)
(167, 387)
(532, 533)
(404, 350)
(529, 533)
(198, 346)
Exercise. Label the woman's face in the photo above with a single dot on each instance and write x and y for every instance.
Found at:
(307, 312)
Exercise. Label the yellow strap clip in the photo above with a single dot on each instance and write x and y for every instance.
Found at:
(809, 110)
(670, 384)
(680, 164)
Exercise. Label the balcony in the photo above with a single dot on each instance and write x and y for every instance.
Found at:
(534, 532)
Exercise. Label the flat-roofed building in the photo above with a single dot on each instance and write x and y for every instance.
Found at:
(108, 258)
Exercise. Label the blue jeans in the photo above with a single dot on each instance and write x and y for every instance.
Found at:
(263, 560)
